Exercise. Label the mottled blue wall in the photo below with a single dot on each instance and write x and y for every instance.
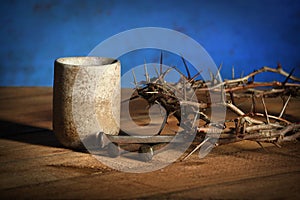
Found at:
(246, 34)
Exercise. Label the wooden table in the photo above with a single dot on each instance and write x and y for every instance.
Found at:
(34, 165)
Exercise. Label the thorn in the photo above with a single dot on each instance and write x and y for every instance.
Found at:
(220, 67)
(284, 107)
(134, 78)
(287, 78)
(279, 66)
(219, 70)
(212, 77)
(265, 108)
(276, 144)
(261, 146)
(177, 70)
(193, 94)
(242, 74)
(146, 72)
(186, 68)
(196, 148)
(165, 73)
(156, 71)
(160, 62)
(195, 76)
(194, 124)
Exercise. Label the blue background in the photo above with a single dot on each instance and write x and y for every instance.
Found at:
(246, 34)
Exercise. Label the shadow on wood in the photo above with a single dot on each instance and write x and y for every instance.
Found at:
(28, 134)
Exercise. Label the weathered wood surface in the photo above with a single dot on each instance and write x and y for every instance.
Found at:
(34, 165)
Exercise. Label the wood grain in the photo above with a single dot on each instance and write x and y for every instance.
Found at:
(34, 165)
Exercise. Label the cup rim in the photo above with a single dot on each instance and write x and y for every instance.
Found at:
(96, 61)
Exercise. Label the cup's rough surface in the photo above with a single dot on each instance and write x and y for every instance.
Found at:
(86, 99)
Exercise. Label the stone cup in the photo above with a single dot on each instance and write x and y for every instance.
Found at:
(86, 100)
